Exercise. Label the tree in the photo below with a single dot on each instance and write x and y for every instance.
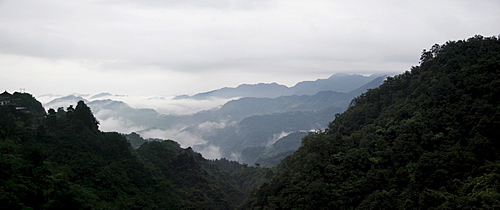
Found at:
(84, 115)
(51, 118)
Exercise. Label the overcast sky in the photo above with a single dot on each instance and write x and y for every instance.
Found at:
(171, 47)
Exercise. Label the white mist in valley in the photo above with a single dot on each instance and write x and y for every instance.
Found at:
(162, 104)
(241, 123)
(114, 118)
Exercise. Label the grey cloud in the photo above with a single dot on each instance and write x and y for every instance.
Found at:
(185, 139)
(36, 44)
(258, 39)
(118, 125)
(212, 4)
(210, 152)
(276, 137)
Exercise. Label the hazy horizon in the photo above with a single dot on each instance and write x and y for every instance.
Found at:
(170, 48)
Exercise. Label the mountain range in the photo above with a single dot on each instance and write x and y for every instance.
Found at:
(338, 82)
(224, 131)
(425, 139)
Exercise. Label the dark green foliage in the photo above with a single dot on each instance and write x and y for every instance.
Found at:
(27, 101)
(26, 111)
(424, 139)
(61, 160)
(84, 115)
(247, 178)
(198, 182)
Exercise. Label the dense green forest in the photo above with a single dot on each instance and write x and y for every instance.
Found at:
(60, 159)
(428, 138)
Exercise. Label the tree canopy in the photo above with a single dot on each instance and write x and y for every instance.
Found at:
(428, 138)
(61, 160)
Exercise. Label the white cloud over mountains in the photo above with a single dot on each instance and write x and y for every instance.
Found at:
(163, 105)
(185, 139)
(113, 118)
(175, 47)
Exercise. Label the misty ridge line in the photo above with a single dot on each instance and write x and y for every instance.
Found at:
(223, 122)
(180, 104)
(424, 139)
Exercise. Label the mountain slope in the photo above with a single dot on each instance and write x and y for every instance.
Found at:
(61, 160)
(424, 139)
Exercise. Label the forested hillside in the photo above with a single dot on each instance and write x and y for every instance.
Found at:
(428, 138)
(61, 160)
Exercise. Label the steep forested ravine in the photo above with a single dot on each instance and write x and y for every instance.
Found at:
(428, 138)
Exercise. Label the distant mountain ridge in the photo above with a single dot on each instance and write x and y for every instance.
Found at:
(338, 82)
(64, 101)
(240, 129)
(318, 101)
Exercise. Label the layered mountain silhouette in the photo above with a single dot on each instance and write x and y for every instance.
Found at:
(229, 126)
(338, 82)
(424, 139)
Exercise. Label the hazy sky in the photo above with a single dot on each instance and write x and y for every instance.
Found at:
(170, 47)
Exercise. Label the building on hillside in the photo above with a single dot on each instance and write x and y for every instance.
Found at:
(6, 99)
(22, 109)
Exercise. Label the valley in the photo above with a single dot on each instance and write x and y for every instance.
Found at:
(427, 138)
(236, 123)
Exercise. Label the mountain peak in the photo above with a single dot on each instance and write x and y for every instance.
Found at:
(100, 95)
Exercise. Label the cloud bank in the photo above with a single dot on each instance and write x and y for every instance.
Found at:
(175, 47)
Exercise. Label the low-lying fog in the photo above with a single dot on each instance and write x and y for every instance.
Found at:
(162, 104)
(111, 121)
